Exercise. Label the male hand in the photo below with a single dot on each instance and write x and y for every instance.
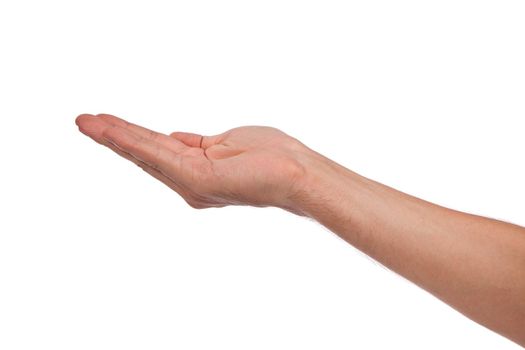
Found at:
(449, 253)
(251, 165)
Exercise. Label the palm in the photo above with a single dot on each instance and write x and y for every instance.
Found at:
(252, 163)
(247, 165)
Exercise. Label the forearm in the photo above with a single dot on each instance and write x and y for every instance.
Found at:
(475, 264)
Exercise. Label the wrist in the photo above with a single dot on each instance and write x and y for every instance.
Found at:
(323, 186)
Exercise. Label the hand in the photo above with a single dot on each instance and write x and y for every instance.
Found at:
(251, 165)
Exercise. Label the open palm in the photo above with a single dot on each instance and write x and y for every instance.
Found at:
(251, 165)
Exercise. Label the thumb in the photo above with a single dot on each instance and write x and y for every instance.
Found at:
(197, 140)
(188, 138)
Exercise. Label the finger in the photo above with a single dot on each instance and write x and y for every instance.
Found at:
(151, 171)
(173, 144)
(168, 182)
(196, 140)
(146, 150)
(94, 127)
(91, 126)
(154, 172)
(188, 138)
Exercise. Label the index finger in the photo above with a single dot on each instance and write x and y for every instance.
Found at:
(169, 142)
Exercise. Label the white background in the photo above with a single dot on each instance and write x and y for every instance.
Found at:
(427, 97)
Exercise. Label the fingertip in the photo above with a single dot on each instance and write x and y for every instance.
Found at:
(91, 126)
(81, 118)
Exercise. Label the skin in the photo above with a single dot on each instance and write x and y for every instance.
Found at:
(475, 264)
